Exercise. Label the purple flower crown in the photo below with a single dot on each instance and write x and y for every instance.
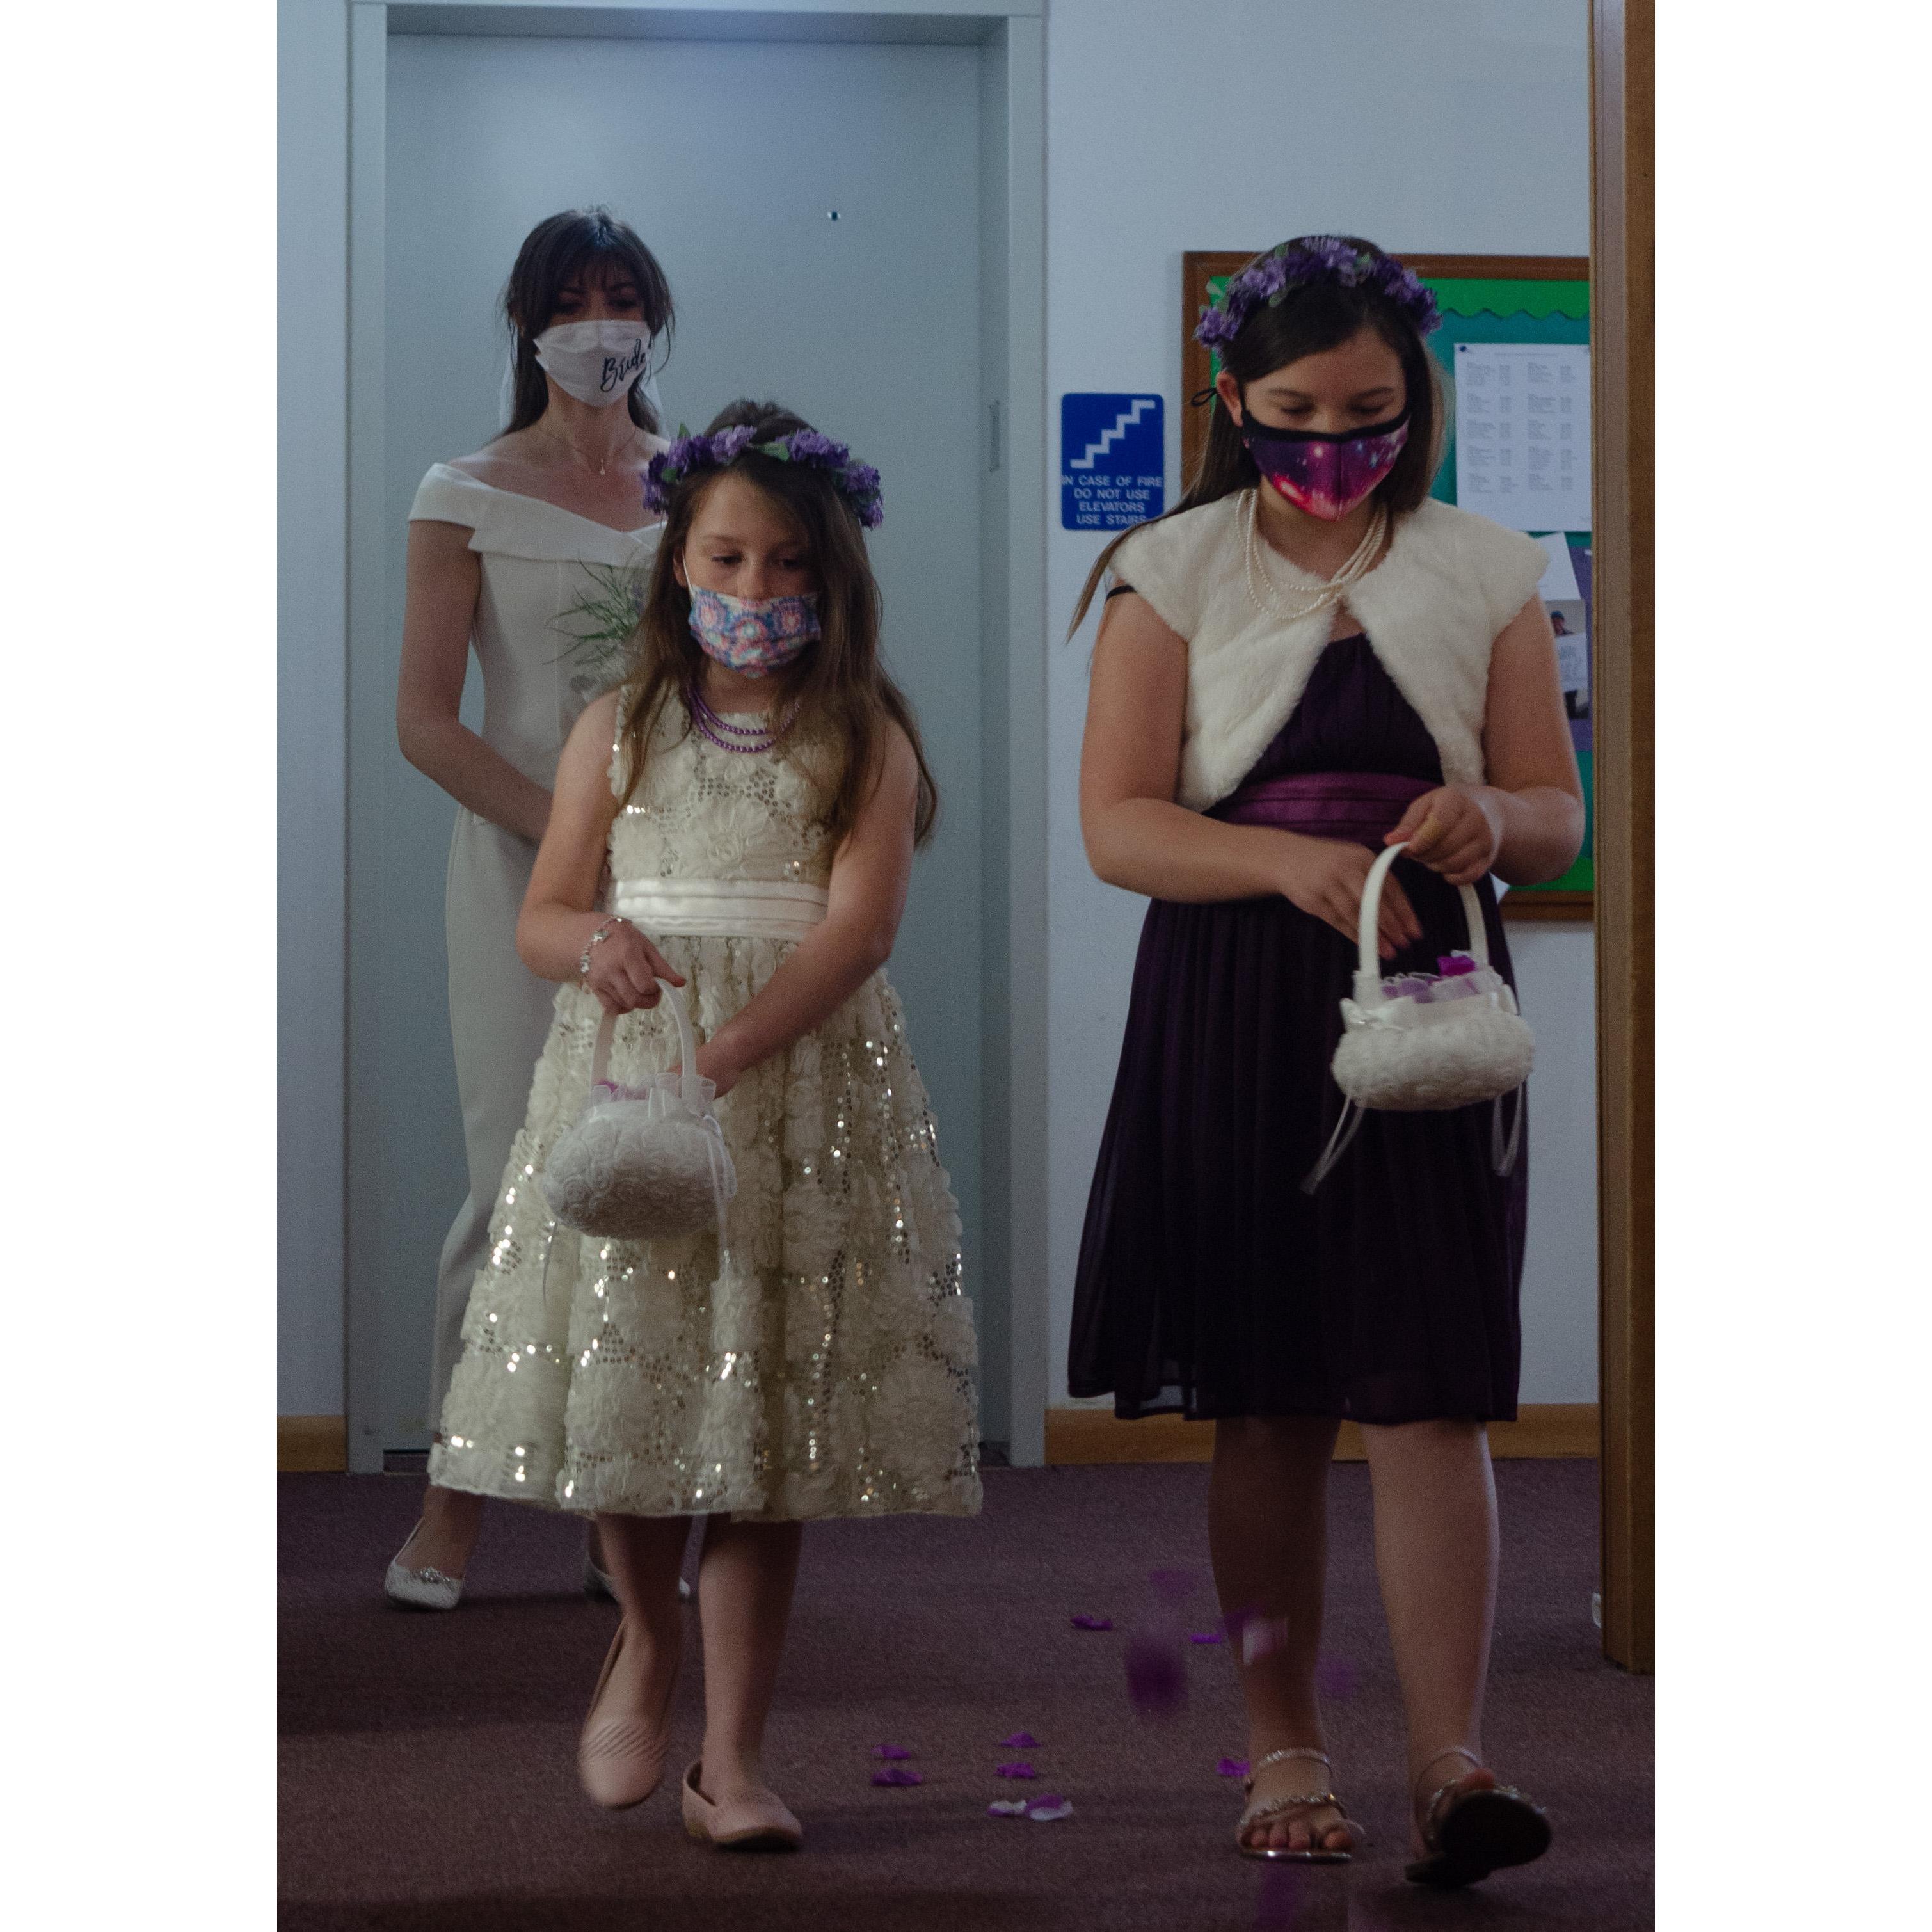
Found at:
(858, 482)
(1314, 258)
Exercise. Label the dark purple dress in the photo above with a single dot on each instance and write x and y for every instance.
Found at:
(1208, 1281)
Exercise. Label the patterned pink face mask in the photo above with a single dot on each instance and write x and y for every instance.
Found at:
(1326, 476)
(753, 636)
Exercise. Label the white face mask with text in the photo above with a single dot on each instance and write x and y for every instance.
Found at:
(597, 362)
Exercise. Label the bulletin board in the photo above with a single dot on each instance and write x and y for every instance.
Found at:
(1484, 299)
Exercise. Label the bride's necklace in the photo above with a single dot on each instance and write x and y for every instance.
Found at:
(603, 463)
(1260, 583)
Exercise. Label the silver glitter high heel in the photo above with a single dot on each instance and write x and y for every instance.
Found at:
(426, 1589)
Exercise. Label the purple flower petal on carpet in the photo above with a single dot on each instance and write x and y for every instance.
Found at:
(1157, 1677)
(1093, 1623)
(1232, 1767)
(890, 1751)
(1280, 1902)
(1171, 1586)
(1015, 1771)
(1021, 1741)
(1336, 1677)
(1206, 1636)
(894, 1773)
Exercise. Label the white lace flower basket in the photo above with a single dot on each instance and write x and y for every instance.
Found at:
(642, 1163)
(1424, 1042)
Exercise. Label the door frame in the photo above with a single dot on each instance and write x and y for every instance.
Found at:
(1010, 35)
(1622, 41)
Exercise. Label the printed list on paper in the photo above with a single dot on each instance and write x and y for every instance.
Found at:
(1522, 433)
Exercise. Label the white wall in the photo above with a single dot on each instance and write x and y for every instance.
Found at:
(1442, 126)
(313, 139)
(1451, 126)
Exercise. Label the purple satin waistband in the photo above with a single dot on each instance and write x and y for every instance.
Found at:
(1359, 805)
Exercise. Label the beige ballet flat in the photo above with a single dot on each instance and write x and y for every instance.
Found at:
(748, 1821)
(1271, 1809)
(620, 1760)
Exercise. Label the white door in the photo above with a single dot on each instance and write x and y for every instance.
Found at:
(816, 209)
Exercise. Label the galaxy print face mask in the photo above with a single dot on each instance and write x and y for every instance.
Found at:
(753, 636)
(1326, 476)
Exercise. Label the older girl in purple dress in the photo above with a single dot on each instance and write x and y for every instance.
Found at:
(1307, 660)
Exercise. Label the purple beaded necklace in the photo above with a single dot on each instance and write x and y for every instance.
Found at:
(719, 730)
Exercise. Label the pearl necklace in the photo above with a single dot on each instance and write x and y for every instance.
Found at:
(1261, 585)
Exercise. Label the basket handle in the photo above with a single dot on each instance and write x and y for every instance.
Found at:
(607, 1028)
(1369, 960)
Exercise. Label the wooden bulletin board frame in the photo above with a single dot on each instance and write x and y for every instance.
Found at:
(1198, 269)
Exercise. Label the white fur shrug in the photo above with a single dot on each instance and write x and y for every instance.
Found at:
(1432, 609)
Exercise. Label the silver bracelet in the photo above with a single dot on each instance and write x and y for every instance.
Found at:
(596, 939)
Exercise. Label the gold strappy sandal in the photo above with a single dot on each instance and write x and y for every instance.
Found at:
(1468, 1836)
(1272, 1808)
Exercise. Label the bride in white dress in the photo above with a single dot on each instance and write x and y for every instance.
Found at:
(505, 548)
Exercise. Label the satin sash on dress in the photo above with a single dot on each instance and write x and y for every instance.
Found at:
(1361, 806)
(737, 908)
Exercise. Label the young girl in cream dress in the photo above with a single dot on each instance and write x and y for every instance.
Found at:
(757, 789)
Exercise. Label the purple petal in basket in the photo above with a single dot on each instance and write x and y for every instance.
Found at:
(1093, 1623)
(1453, 963)
(1232, 1767)
(1021, 1741)
(893, 1751)
(1015, 1771)
(897, 1773)
(1048, 1810)
(1008, 1808)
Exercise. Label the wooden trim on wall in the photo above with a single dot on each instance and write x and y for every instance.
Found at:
(1622, 40)
(1572, 908)
(311, 1444)
(1564, 1428)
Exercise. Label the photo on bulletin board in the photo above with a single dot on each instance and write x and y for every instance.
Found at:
(1514, 349)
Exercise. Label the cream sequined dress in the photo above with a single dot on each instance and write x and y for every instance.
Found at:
(825, 1366)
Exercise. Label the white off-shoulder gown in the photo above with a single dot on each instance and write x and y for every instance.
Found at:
(537, 562)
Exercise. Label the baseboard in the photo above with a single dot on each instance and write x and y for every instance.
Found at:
(310, 1443)
(1568, 1429)
(313, 1443)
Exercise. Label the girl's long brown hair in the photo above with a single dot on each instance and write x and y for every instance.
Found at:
(833, 702)
(1317, 315)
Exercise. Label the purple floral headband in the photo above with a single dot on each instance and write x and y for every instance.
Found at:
(858, 482)
(1314, 258)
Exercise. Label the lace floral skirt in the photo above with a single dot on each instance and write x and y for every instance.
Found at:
(823, 1366)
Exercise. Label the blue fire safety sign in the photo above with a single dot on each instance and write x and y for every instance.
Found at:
(1113, 461)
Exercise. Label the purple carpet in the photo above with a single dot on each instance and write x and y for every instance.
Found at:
(428, 1782)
